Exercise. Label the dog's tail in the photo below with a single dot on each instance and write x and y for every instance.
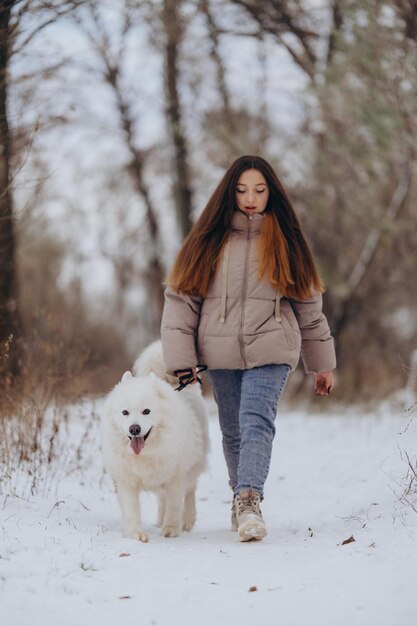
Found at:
(152, 360)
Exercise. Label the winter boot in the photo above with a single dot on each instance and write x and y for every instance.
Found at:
(251, 526)
(233, 518)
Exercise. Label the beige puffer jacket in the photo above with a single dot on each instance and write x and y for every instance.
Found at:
(243, 322)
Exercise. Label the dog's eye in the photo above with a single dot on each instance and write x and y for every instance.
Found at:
(146, 411)
(125, 412)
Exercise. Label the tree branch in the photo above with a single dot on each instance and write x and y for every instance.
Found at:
(65, 10)
(275, 18)
(362, 265)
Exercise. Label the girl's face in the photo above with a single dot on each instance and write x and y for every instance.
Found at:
(252, 192)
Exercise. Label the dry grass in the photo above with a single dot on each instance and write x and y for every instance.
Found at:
(67, 354)
(40, 447)
(39, 416)
(406, 491)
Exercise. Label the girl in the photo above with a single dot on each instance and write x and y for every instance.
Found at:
(244, 299)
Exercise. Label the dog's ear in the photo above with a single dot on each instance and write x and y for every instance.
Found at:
(126, 376)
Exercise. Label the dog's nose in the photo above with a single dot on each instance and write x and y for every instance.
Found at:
(134, 430)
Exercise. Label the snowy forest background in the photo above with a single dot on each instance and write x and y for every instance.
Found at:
(118, 118)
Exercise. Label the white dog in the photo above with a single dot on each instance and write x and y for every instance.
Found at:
(155, 439)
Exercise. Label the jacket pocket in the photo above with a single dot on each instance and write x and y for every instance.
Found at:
(290, 332)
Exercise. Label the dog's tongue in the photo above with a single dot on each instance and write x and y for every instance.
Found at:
(137, 444)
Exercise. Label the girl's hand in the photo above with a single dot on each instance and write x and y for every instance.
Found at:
(324, 383)
(188, 376)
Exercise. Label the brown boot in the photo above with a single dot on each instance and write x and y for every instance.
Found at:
(251, 526)
(233, 518)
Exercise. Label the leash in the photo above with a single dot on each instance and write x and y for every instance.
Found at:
(186, 377)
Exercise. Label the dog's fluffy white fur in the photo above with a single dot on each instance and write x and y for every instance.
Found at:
(169, 449)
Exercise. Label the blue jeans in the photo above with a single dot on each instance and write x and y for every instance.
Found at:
(247, 401)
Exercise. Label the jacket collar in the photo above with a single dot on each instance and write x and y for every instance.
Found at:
(241, 221)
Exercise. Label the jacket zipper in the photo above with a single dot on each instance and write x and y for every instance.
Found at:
(244, 292)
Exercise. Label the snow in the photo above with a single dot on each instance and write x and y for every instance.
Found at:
(333, 475)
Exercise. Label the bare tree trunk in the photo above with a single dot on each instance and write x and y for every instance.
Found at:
(337, 22)
(174, 31)
(155, 272)
(347, 306)
(204, 7)
(9, 318)
(262, 88)
(407, 9)
(154, 276)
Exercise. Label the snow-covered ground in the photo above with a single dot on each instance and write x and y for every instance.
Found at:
(64, 560)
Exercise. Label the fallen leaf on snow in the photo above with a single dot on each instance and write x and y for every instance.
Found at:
(253, 588)
(124, 554)
(124, 597)
(350, 540)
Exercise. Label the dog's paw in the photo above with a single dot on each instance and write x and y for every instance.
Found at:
(139, 535)
(188, 526)
(170, 531)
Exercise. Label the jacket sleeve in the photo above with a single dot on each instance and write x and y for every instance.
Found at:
(317, 345)
(180, 319)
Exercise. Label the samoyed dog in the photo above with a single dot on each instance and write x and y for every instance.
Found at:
(155, 439)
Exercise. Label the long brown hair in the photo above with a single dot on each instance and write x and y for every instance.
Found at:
(284, 255)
